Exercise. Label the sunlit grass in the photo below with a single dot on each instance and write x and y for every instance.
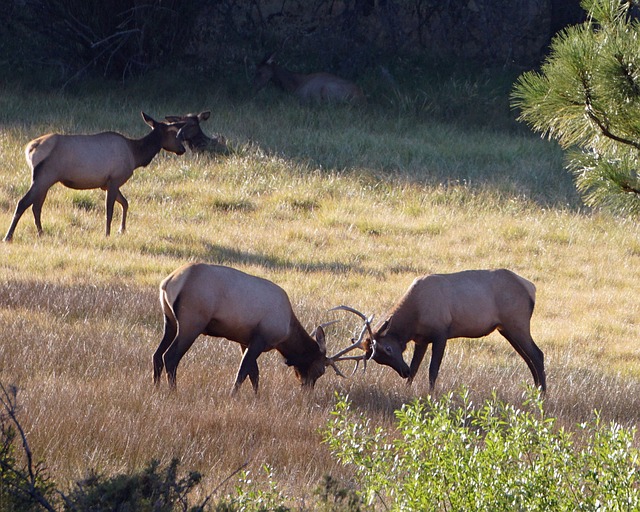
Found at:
(337, 206)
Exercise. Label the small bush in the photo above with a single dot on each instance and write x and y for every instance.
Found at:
(24, 486)
(449, 454)
(154, 489)
(334, 497)
(249, 497)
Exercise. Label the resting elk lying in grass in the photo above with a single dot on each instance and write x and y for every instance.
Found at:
(316, 87)
(220, 301)
(468, 304)
(103, 160)
(193, 136)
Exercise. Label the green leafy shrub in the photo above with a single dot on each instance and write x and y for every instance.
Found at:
(250, 497)
(449, 454)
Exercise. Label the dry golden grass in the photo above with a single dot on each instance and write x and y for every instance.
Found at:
(79, 314)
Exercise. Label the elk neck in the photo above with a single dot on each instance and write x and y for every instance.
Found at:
(299, 343)
(198, 141)
(145, 149)
(286, 79)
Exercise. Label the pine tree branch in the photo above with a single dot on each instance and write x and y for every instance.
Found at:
(604, 129)
(628, 188)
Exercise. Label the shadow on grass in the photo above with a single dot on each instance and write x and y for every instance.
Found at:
(219, 254)
(207, 252)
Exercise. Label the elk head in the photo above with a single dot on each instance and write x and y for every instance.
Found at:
(387, 349)
(264, 72)
(191, 126)
(309, 369)
(381, 346)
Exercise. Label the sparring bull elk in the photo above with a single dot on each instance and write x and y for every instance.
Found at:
(103, 160)
(220, 301)
(437, 307)
(315, 87)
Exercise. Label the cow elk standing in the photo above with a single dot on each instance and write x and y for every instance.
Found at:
(103, 160)
(315, 87)
(221, 301)
(469, 304)
(193, 136)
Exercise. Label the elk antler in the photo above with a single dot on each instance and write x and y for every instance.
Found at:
(358, 343)
(330, 361)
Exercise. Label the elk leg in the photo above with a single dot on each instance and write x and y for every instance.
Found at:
(112, 194)
(189, 328)
(249, 364)
(27, 200)
(437, 353)
(170, 331)
(254, 376)
(125, 207)
(37, 210)
(419, 351)
(524, 345)
(174, 354)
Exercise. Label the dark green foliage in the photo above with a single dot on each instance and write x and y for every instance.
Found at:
(154, 489)
(24, 486)
(335, 497)
(75, 38)
(587, 97)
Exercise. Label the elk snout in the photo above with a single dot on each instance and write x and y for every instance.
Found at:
(308, 377)
(390, 355)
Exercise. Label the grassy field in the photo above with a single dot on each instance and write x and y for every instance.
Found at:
(336, 205)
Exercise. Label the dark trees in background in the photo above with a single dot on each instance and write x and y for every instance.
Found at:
(70, 39)
(66, 40)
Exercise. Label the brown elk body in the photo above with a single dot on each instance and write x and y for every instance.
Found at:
(103, 160)
(193, 136)
(469, 304)
(314, 87)
(224, 302)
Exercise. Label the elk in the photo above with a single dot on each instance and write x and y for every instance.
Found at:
(103, 160)
(316, 87)
(438, 307)
(220, 301)
(193, 136)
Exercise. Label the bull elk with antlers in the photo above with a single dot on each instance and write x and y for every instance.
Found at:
(437, 307)
(220, 301)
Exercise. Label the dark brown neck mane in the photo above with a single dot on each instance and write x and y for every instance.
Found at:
(299, 349)
(287, 80)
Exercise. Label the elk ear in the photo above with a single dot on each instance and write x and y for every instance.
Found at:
(384, 326)
(203, 116)
(318, 334)
(148, 119)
